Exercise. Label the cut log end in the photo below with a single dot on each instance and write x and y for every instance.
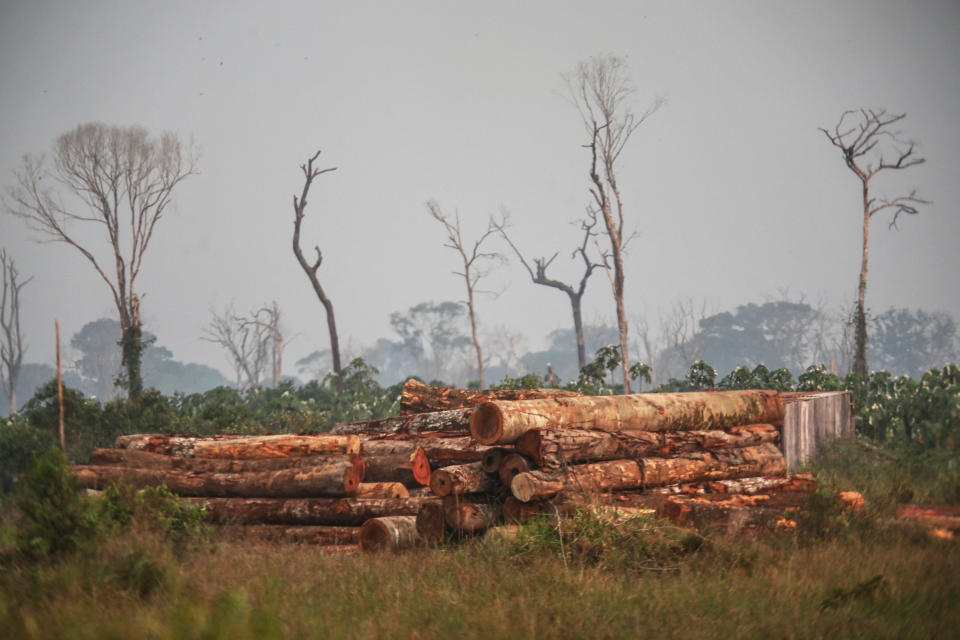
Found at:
(441, 483)
(513, 465)
(523, 487)
(391, 533)
(492, 459)
(486, 424)
(354, 475)
(421, 467)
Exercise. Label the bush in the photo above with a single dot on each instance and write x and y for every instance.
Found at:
(20, 444)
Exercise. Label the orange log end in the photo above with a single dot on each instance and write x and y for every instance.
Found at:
(421, 467)
(486, 423)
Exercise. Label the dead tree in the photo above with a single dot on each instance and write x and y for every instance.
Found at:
(863, 153)
(267, 320)
(472, 272)
(600, 90)
(538, 274)
(245, 341)
(11, 342)
(299, 209)
(124, 181)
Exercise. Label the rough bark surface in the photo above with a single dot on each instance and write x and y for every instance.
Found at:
(241, 447)
(552, 448)
(761, 460)
(335, 478)
(503, 422)
(306, 511)
(140, 459)
(389, 533)
(397, 467)
(452, 421)
(418, 397)
(470, 516)
(461, 478)
(613, 475)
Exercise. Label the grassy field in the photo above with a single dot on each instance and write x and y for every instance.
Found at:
(835, 576)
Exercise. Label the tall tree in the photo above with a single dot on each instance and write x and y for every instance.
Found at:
(869, 146)
(538, 274)
(121, 179)
(601, 90)
(472, 272)
(11, 342)
(299, 211)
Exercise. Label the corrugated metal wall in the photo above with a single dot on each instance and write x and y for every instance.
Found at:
(812, 419)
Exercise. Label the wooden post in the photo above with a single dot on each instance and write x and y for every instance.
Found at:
(63, 432)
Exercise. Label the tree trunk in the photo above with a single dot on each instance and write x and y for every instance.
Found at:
(418, 397)
(470, 516)
(323, 535)
(139, 459)
(241, 447)
(389, 533)
(860, 319)
(381, 491)
(514, 464)
(450, 421)
(307, 511)
(460, 479)
(431, 524)
(553, 448)
(335, 478)
(503, 422)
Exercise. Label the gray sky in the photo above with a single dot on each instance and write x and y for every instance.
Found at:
(735, 193)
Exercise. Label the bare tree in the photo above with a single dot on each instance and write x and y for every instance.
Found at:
(472, 271)
(860, 145)
(538, 274)
(267, 320)
(246, 341)
(11, 342)
(117, 177)
(299, 208)
(600, 90)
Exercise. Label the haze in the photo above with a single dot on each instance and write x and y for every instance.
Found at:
(735, 193)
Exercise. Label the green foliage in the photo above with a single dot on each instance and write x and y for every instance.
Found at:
(156, 508)
(83, 419)
(596, 377)
(528, 381)
(355, 394)
(816, 378)
(700, 377)
(20, 443)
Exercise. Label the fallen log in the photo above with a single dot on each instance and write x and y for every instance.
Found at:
(503, 422)
(410, 469)
(304, 534)
(389, 533)
(469, 515)
(418, 397)
(431, 524)
(553, 448)
(461, 478)
(306, 511)
(241, 447)
(612, 475)
(381, 491)
(437, 452)
(141, 459)
(797, 482)
(451, 421)
(512, 465)
(337, 477)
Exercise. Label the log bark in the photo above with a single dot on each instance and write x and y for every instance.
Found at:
(553, 448)
(322, 535)
(241, 447)
(140, 459)
(389, 533)
(337, 477)
(381, 491)
(514, 464)
(503, 422)
(613, 475)
(470, 516)
(439, 452)
(410, 469)
(418, 397)
(461, 478)
(797, 482)
(306, 511)
(431, 524)
(451, 421)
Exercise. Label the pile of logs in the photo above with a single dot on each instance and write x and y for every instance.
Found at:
(458, 462)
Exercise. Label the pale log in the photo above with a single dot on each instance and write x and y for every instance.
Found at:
(337, 477)
(306, 511)
(512, 465)
(461, 478)
(389, 533)
(468, 515)
(612, 475)
(503, 422)
(242, 447)
(552, 448)
(381, 490)
(722, 464)
(418, 397)
(452, 422)
(323, 535)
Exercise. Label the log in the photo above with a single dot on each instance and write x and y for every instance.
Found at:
(306, 511)
(381, 491)
(141, 459)
(389, 533)
(797, 482)
(461, 478)
(439, 452)
(470, 516)
(241, 447)
(431, 524)
(503, 422)
(410, 469)
(553, 448)
(337, 477)
(418, 397)
(612, 475)
(516, 511)
(304, 534)
(452, 422)
(514, 464)
(493, 457)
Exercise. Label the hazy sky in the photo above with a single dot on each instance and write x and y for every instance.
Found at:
(734, 191)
